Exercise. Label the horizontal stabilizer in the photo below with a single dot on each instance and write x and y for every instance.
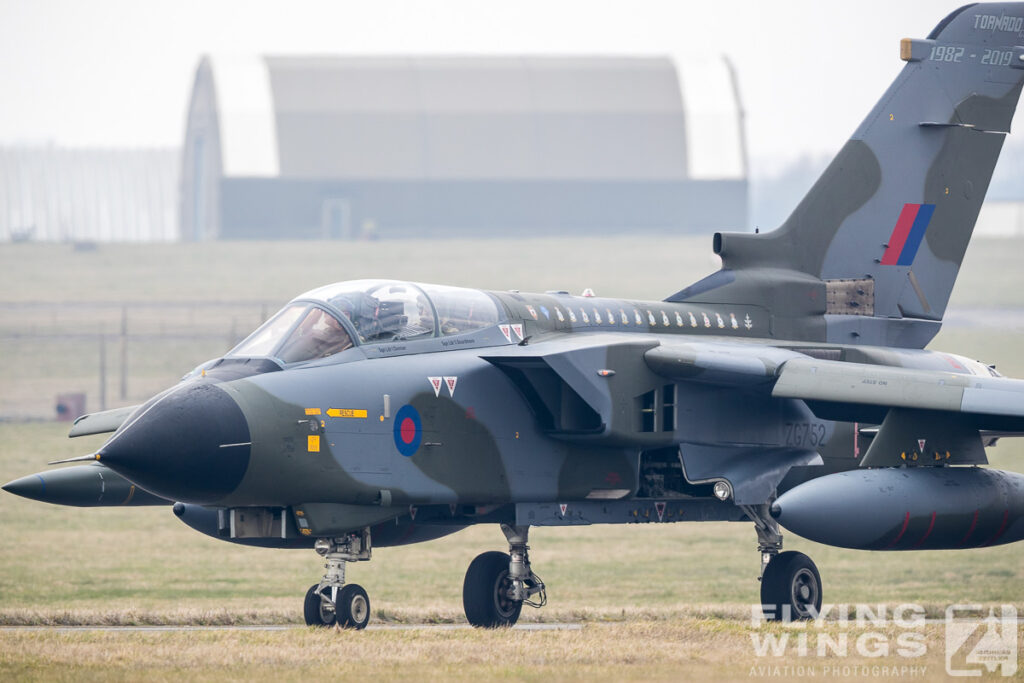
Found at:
(101, 423)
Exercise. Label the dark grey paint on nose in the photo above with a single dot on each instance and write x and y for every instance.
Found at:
(191, 444)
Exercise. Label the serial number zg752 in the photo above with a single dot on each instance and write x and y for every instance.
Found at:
(802, 434)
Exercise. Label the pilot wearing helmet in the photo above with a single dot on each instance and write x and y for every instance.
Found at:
(319, 335)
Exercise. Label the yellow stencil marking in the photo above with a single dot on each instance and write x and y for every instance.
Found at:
(131, 494)
(345, 412)
(313, 443)
(312, 411)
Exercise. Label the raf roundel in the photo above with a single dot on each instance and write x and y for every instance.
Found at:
(408, 431)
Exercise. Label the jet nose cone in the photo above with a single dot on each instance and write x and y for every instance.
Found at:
(31, 486)
(190, 444)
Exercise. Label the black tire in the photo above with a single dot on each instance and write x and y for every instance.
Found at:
(353, 607)
(790, 588)
(485, 592)
(316, 611)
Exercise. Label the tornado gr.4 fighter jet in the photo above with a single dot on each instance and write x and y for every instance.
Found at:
(789, 388)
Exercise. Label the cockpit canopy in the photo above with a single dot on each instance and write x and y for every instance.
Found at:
(325, 321)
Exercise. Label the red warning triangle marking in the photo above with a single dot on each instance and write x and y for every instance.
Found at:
(518, 329)
(660, 507)
(450, 381)
(563, 507)
(412, 511)
(436, 383)
(505, 330)
(920, 446)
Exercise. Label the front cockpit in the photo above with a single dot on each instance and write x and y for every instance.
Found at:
(299, 332)
(332, 319)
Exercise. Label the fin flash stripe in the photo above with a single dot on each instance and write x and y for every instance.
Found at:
(907, 235)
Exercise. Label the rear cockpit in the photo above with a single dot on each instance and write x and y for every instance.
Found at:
(326, 321)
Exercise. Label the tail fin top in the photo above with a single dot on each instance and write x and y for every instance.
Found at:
(890, 218)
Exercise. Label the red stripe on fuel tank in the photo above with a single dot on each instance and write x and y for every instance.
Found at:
(931, 525)
(974, 523)
(1002, 528)
(906, 521)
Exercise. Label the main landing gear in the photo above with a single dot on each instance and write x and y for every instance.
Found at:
(497, 585)
(331, 602)
(790, 583)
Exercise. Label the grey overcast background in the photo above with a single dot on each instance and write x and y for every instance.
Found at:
(119, 72)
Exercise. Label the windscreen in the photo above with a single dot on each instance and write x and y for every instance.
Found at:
(299, 332)
(319, 335)
(266, 338)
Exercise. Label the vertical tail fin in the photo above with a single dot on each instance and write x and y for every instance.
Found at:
(878, 241)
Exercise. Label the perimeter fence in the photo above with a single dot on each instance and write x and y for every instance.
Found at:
(110, 354)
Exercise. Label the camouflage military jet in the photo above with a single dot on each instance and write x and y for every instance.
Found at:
(789, 388)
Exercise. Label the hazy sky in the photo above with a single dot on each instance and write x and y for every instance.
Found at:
(119, 72)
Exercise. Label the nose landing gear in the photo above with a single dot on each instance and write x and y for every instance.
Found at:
(331, 602)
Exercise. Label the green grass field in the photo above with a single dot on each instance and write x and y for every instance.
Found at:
(657, 602)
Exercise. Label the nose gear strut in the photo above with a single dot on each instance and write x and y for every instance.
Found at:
(332, 602)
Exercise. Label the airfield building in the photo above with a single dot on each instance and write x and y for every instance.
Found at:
(363, 147)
